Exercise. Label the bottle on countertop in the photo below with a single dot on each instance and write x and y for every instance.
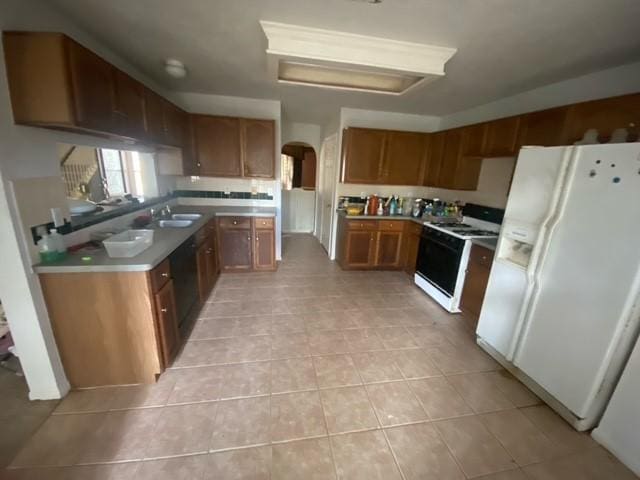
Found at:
(417, 208)
(366, 206)
(46, 248)
(392, 205)
(428, 210)
(380, 210)
(58, 243)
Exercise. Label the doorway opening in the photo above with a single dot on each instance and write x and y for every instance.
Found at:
(299, 184)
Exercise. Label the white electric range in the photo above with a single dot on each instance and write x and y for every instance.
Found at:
(443, 257)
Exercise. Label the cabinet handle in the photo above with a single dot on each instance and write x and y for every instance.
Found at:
(164, 274)
(198, 164)
(235, 222)
(249, 238)
(163, 310)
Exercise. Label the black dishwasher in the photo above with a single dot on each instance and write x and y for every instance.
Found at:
(184, 271)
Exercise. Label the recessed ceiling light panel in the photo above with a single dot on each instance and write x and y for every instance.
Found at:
(334, 59)
(345, 78)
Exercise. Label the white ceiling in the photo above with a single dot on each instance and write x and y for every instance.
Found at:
(504, 46)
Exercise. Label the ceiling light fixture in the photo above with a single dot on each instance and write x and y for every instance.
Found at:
(331, 59)
(175, 68)
(344, 78)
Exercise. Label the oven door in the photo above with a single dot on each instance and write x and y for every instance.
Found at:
(439, 259)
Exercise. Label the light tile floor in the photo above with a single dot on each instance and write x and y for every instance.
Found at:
(317, 373)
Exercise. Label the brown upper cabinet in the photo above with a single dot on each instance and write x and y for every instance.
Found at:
(383, 156)
(459, 171)
(55, 82)
(258, 147)
(234, 147)
(434, 159)
(92, 86)
(128, 105)
(502, 137)
(473, 142)
(605, 116)
(404, 157)
(218, 145)
(363, 150)
(545, 128)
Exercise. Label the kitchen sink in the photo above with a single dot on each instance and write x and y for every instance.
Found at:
(186, 216)
(175, 223)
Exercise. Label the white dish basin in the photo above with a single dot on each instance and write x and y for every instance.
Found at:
(175, 223)
(186, 216)
(128, 243)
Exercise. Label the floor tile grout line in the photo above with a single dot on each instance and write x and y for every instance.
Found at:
(386, 439)
(326, 423)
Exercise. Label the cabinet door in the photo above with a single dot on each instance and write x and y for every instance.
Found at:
(476, 280)
(93, 88)
(450, 157)
(309, 170)
(475, 137)
(435, 153)
(264, 249)
(235, 249)
(411, 248)
(404, 158)
(203, 274)
(167, 322)
(218, 145)
(190, 164)
(546, 128)
(258, 155)
(363, 155)
(605, 116)
(153, 116)
(502, 137)
(359, 249)
(128, 105)
(174, 123)
(388, 249)
(212, 261)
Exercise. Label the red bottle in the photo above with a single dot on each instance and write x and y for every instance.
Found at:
(373, 205)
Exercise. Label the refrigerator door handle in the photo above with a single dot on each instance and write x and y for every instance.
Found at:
(547, 227)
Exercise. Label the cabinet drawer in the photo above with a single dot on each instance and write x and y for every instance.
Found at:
(264, 223)
(160, 275)
(413, 228)
(481, 255)
(234, 222)
(362, 225)
(391, 225)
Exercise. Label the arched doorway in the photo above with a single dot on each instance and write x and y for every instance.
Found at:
(298, 187)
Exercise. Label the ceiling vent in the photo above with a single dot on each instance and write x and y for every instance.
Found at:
(330, 59)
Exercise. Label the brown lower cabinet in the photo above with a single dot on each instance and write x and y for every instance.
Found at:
(412, 244)
(118, 328)
(165, 302)
(371, 244)
(476, 279)
(247, 244)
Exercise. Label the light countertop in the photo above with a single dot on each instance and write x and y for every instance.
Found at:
(165, 241)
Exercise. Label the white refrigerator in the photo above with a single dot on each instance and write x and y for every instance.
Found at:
(562, 306)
